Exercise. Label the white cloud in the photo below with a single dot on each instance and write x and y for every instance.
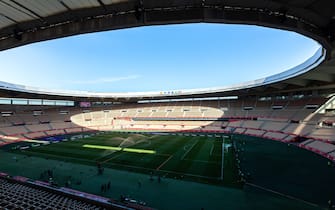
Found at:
(106, 80)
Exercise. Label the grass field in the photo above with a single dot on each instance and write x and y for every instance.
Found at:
(287, 169)
(192, 157)
(189, 163)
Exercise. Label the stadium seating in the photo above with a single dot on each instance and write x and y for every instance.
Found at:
(278, 119)
(22, 194)
(323, 148)
(254, 132)
(275, 136)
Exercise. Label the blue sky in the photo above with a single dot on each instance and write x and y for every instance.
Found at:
(156, 58)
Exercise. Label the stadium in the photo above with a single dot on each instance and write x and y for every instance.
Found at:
(260, 144)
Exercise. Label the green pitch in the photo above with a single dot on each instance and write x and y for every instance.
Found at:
(191, 157)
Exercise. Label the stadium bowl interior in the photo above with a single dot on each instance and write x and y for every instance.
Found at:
(272, 144)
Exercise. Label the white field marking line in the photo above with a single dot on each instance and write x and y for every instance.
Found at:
(211, 152)
(164, 162)
(281, 194)
(172, 172)
(222, 161)
(189, 150)
(194, 175)
(202, 161)
(116, 156)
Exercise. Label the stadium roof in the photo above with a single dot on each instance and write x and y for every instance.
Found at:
(28, 21)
